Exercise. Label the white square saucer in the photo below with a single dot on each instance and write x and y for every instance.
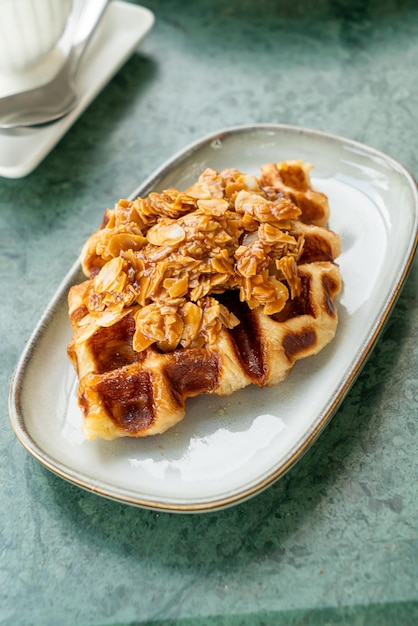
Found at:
(122, 28)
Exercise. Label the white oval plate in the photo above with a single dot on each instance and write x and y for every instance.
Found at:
(228, 449)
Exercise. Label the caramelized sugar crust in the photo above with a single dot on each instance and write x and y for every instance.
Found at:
(201, 292)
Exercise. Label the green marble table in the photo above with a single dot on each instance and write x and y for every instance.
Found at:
(336, 540)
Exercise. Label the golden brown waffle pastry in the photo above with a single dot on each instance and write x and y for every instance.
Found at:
(203, 291)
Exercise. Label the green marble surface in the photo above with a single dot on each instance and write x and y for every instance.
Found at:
(336, 540)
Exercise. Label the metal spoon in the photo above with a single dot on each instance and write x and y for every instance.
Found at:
(55, 99)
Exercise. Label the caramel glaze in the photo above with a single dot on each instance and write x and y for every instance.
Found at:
(295, 343)
(300, 305)
(329, 289)
(128, 398)
(309, 208)
(192, 372)
(112, 347)
(316, 248)
(246, 338)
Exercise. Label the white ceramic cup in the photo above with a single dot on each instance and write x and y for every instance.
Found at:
(29, 30)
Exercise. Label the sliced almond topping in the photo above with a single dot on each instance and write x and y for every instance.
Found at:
(111, 277)
(170, 254)
(287, 265)
(166, 233)
(124, 241)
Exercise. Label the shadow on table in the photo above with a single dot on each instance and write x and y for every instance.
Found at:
(402, 613)
(267, 24)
